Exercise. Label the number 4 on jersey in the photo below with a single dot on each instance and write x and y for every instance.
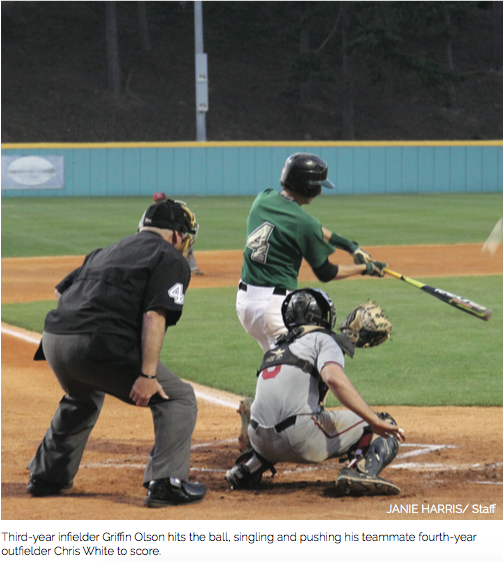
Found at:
(258, 242)
(176, 293)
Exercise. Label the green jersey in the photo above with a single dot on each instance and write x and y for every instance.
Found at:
(279, 234)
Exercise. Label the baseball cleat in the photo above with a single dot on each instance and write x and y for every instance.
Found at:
(38, 487)
(350, 482)
(239, 476)
(173, 491)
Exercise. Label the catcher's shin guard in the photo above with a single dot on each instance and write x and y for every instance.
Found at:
(381, 451)
(373, 453)
(379, 454)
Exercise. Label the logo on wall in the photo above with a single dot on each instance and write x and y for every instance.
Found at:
(33, 172)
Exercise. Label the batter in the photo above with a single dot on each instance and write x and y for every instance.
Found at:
(280, 234)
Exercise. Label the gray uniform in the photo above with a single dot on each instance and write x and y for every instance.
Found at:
(285, 391)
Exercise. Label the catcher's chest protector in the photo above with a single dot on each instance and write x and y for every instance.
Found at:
(282, 355)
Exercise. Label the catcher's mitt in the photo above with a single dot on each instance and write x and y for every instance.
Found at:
(366, 326)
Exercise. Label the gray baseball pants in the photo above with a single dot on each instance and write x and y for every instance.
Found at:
(312, 439)
(86, 384)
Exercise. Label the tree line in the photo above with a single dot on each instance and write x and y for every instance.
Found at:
(386, 36)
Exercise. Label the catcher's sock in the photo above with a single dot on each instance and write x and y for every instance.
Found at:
(254, 464)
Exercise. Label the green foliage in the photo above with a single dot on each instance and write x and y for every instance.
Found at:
(249, 24)
(76, 226)
(252, 48)
(310, 66)
(409, 38)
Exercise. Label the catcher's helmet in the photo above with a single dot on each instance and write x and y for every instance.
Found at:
(311, 307)
(305, 174)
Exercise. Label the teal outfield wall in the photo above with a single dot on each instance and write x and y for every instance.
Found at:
(245, 168)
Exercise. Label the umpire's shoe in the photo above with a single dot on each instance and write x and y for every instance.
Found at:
(351, 482)
(38, 487)
(173, 491)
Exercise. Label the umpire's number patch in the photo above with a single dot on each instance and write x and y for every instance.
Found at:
(176, 293)
(258, 242)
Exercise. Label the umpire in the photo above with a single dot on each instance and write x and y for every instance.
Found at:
(105, 337)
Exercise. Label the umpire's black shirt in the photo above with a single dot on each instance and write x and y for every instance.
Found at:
(108, 295)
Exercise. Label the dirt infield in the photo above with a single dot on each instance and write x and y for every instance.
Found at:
(32, 279)
(461, 466)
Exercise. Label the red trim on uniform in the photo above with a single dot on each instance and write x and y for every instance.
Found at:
(337, 434)
(270, 374)
(333, 363)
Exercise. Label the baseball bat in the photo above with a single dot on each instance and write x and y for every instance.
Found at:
(454, 300)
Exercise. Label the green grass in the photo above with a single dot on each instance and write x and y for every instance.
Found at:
(437, 355)
(75, 226)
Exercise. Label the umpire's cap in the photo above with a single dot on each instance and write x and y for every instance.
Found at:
(169, 214)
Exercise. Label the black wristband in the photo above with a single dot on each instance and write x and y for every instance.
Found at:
(327, 271)
(147, 376)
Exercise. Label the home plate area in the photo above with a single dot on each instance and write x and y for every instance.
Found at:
(410, 458)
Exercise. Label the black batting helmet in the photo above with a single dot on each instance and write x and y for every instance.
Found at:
(311, 307)
(305, 174)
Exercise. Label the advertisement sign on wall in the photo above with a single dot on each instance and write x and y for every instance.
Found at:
(33, 172)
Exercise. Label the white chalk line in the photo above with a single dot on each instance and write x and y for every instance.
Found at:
(210, 396)
(22, 336)
(439, 466)
(210, 443)
(216, 400)
(423, 450)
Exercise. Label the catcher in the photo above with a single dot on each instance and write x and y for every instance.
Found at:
(288, 421)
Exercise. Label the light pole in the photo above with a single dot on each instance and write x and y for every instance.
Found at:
(201, 65)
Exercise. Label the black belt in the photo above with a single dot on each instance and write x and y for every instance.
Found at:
(280, 426)
(277, 290)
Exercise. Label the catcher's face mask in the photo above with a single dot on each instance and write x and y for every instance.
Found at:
(308, 307)
(189, 237)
